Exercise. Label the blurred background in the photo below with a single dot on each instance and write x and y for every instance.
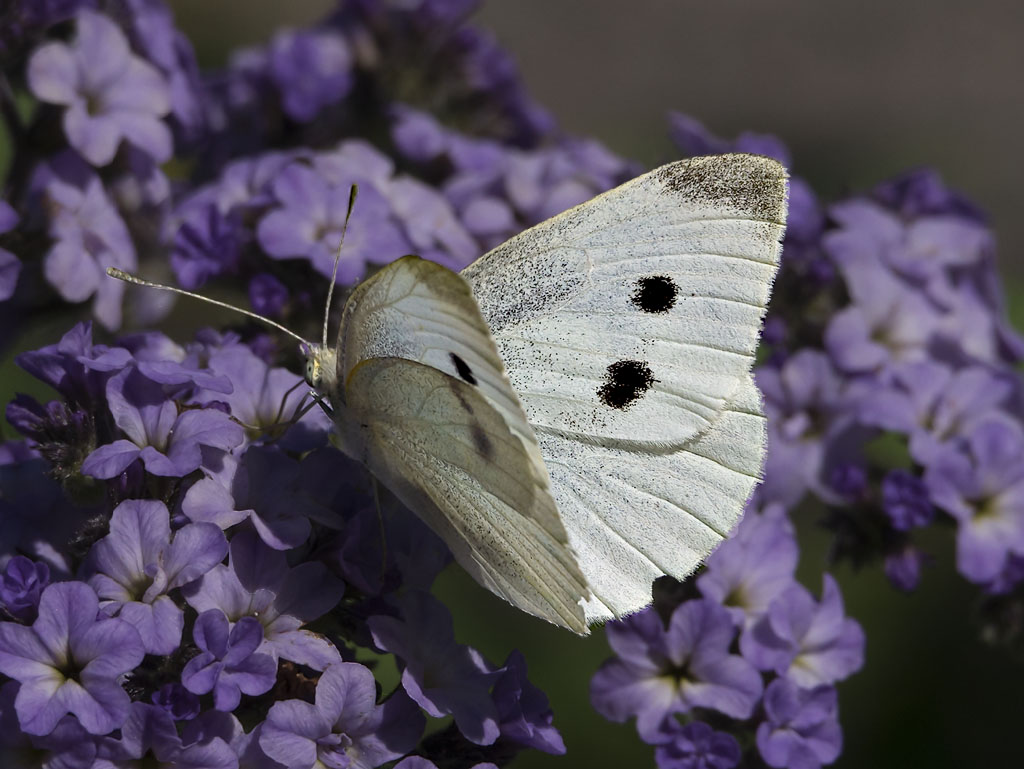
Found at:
(859, 92)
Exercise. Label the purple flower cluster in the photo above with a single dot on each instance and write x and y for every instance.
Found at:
(224, 563)
(191, 575)
(753, 649)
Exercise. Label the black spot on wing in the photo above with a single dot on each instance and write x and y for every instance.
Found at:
(655, 294)
(462, 369)
(625, 383)
(483, 444)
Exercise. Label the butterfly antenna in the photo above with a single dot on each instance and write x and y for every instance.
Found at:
(337, 259)
(129, 278)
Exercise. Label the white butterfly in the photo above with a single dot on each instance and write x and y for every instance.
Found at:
(623, 434)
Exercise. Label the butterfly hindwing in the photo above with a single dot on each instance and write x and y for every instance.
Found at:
(429, 409)
(628, 326)
(450, 456)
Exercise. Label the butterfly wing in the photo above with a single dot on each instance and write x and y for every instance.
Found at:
(428, 408)
(628, 326)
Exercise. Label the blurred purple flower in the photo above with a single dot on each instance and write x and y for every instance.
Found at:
(207, 243)
(313, 202)
(697, 746)
(933, 403)
(982, 487)
(812, 643)
(903, 568)
(659, 671)
(344, 727)
(10, 265)
(229, 663)
(311, 70)
(21, 585)
(110, 94)
(259, 583)
(166, 441)
(690, 136)
(68, 661)
(89, 236)
(443, 677)
(801, 730)
(134, 567)
(808, 415)
(905, 500)
(886, 322)
(523, 712)
(267, 295)
(149, 737)
(751, 568)
(154, 33)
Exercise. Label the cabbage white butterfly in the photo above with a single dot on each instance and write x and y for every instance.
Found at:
(574, 413)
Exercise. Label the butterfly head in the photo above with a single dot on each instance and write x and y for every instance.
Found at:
(321, 368)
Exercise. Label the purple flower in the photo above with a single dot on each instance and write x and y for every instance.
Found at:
(310, 69)
(905, 500)
(89, 236)
(110, 94)
(21, 585)
(811, 643)
(264, 398)
(267, 295)
(751, 568)
(207, 243)
(694, 139)
(150, 737)
(801, 730)
(166, 441)
(68, 746)
(218, 725)
(313, 202)
(697, 746)
(69, 662)
(10, 265)
(154, 34)
(136, 565)
(886, 322)
(808, 417)
(179, 702)
(267, 487)
(903, 567)
(933, 403)
(443, 677)
(344, 727)
(416, 134)
(258, 583)
(228, 664)
(523, 712)
(982, 487)
(659, 671)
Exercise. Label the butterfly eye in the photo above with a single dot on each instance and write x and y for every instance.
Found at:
(312, 373)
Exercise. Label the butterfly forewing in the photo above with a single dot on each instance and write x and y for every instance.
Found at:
(628, 327)
(646, 302)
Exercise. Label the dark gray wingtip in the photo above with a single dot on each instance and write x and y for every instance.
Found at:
(751, 185)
